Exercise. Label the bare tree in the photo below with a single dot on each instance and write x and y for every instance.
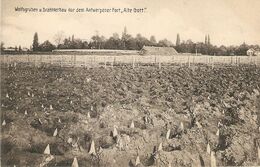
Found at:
(59, 37)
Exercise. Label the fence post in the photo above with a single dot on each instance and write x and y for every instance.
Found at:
(133, 62)
(50, 59)
(34, 61)
(61, 60)
(189, 61)
(41, 59)
(7, 60)
(159, 60)
(94, 59)
(112, 63)
(212, 63)
(75, 61)
(114, 60)
(105, 62)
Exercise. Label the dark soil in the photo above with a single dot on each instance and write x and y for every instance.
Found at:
(204, 100)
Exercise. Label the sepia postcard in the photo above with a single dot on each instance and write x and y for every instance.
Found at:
(130, 83)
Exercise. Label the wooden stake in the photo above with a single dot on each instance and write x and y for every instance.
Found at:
(208, 148)
(213, 162)
(217, 133)
(47, 150)
(160, 147)
(75, 162)
(137, 161)
(4, 123)
(115, 133)
(92, 150)
(181, 126)
(132, 125)
(133, 62)
(168, 134)
(88, 115)
(55, 132)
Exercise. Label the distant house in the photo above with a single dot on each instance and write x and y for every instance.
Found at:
(24, 49)
(250, 52)
(151, 50)
(253, 52)
(257, 53)
(10, 50)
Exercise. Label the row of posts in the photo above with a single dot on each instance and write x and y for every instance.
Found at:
(158, 60)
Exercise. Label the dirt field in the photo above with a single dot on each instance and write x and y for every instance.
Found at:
(174, 116)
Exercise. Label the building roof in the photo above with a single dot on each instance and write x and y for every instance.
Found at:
(251, 50)
(151, 50)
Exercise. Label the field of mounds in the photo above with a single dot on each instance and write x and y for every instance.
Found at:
(116, 117)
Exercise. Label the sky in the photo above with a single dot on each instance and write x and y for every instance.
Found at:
(228, 22)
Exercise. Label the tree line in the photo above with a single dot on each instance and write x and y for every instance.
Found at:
(128, 42)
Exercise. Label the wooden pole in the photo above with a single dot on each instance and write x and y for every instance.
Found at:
(61, 60)
(50, 59)
(133, 62)
(34, 60)
(212, 63)
(85, 62)
(41, 59)
(112, 63)
(189, 60)
(105, 61)
(94, 58)
(159, 60)
(75, 61)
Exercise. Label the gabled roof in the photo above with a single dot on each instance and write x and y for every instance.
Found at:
(151, 50)
(251, 50)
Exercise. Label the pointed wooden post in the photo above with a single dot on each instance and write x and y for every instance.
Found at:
(92, 150)
(115, 133)
(160, 147)
(132, 125)
(55, 132)
(137, 161)
(47, 150)
(168, 134)
(213, 162)
(4, 123)
(208, 148)
(75, 162)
